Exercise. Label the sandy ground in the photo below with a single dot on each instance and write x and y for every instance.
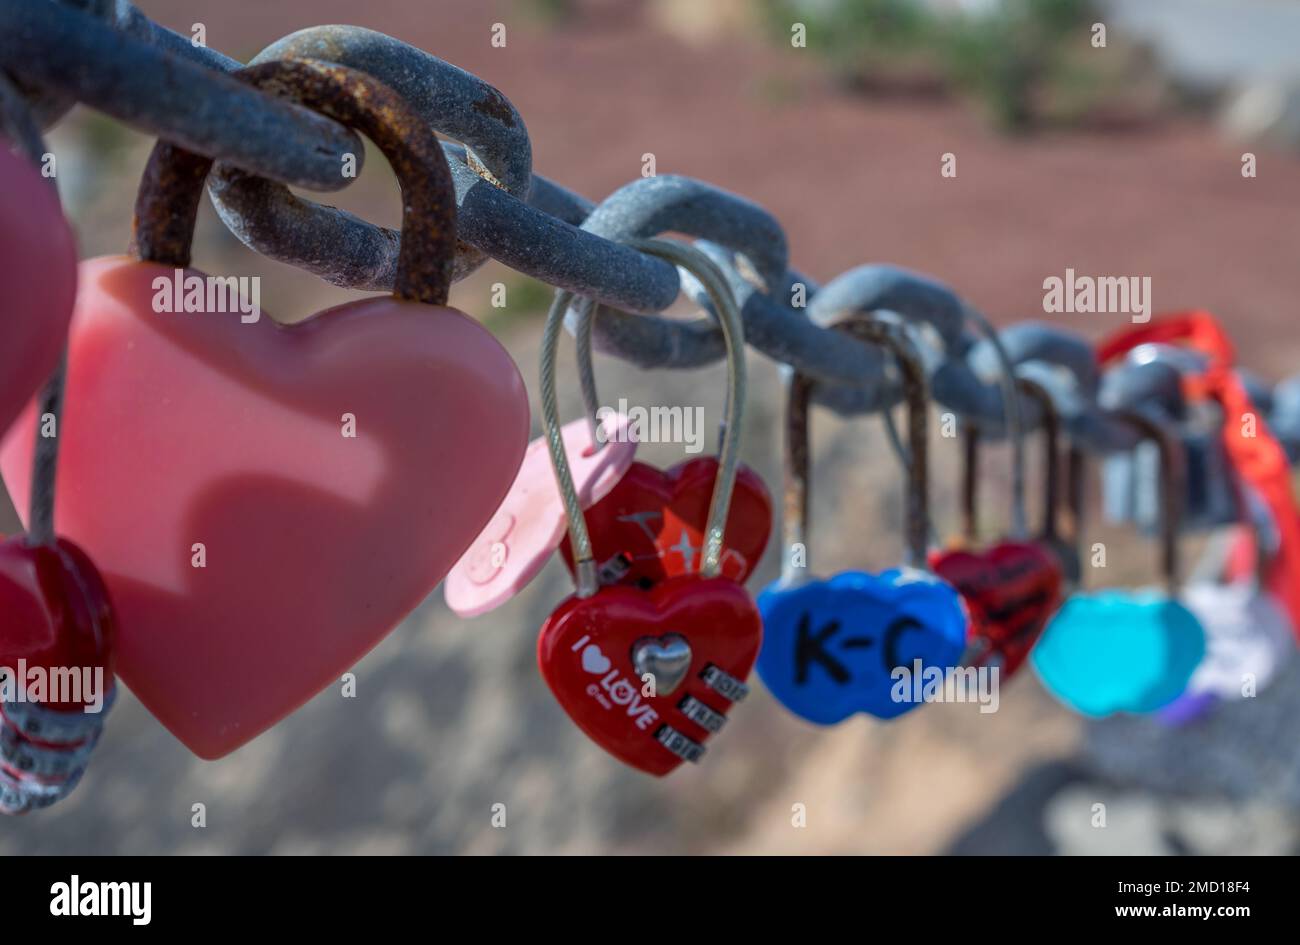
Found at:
(451, 716)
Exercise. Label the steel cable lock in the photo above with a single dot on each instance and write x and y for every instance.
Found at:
(650, 675)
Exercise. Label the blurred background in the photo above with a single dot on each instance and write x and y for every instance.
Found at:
(1120, 160)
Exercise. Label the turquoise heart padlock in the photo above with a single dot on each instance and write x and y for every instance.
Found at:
(1127, 651)
(858, 642)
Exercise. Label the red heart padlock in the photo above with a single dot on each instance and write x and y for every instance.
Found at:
(595, 652)
(651, 525)
(38, 267)
(56, 659)
(1012, 588)
(649, 675)
(54, 615)
(266, 502)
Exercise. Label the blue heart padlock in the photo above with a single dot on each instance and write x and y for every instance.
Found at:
(1127, 651)
(858, 642)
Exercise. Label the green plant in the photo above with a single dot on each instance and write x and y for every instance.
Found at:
(1011, 56)
(857, 37)
(1008, 55)
(549, 12)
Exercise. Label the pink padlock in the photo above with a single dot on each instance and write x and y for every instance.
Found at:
(38, 268)
(266, 502)
(530, 524)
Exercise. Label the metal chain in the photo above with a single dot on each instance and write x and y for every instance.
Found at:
(158, 81)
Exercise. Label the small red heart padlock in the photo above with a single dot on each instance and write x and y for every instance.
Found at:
(56, 670)
(651, 525)
(55, 617)
(266, 502)
(650, 675)
(1013, 587)
(57, 633)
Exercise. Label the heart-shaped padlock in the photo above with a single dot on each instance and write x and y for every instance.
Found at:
(56, 615)
(650, 675)
(1013, 587)
(38, 263)
(57, 631)
(530, 524)
(858, 642)
(56, 670)
(267, 501)
(651, 525)
(1124, 651)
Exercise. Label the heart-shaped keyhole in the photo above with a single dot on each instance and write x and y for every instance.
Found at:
(666, 658)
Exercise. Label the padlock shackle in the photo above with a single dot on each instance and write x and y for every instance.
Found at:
(586, 310)
(1007, 382)
(1051, 424)
(715, 285)
(799, 387)
(1173, 471)
(1076, 483)
(167, 203)
(581, 322)
(1014, 425)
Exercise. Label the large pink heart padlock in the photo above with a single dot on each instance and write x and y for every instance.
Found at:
(530, 524)
(38, 268)
(266, 502)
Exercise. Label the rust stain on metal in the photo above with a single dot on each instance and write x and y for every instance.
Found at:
(1051, 423)
(167, 204)
(173, 181)
(796, 460)
(864, 327)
